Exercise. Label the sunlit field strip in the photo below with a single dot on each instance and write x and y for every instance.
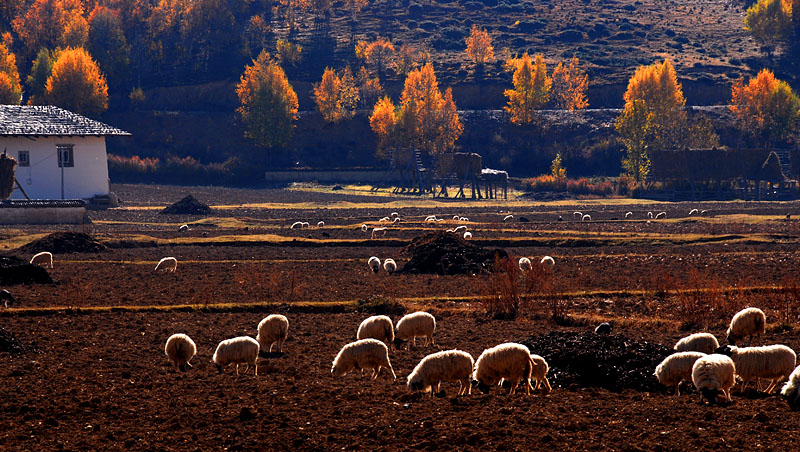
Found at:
(224, 261)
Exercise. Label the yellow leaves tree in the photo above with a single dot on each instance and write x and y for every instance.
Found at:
(769, 21)
(369, 88)
(408, 58)
(10, 85)
(76, 83)
(634, 126)
(531, 88)
(383, 122)
(336, 96)
(51, 24)
(479, 46)
(765, 107)
(378, 53)
(569, 86)
(268, 103)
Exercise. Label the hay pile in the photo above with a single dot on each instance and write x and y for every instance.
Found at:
(446, 253)
(63, 242)
(187, 206)
(14, 270)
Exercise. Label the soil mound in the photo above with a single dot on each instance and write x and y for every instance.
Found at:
(14, 270)
(9, 343)
(445, 253)
(187, 206)
(613, 362)
(64, 242)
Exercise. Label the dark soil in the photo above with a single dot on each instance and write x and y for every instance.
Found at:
(445, 253)
(64, 242)
(187, 206)
(9, 343)
(14, 270)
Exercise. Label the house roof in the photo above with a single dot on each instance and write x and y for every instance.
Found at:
(19, 120)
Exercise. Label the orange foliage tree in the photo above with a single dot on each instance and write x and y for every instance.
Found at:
(336, 95)
(76, 83)
(479, 46)
(770, 22)
(268, 103)
(383, 122)
(765, 107)
(10, 86)
(51, 24)
(378, 53)
(408, 58)
(569, 86)
(531, 88)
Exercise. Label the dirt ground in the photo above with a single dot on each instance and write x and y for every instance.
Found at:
(100, 381)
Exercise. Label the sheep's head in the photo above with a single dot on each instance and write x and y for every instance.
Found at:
(338, 370)
(417, 385)
(732, 338)
(484, 388)
(182, 367)
(219, 368)
(398, 343)
(710, 395)
(727, 350)
(793, 399)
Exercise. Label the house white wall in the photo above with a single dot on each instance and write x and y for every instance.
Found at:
(42, 179)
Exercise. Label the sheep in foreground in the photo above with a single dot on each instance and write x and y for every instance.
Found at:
(450, 365)
(374, 264)
(508, 218)
(272, 330)
(509, 361)
(7, 299)
(239, 350)
(369, 354)
(547, 263)
(539, 372)
(586, 217)
(712, 374)
(791, 390)
(661, 215)
(748, 322)
(772, 362)
(378, 327)
(698, 342)
(168, 264)
(180, 349)
(378, 232)
(676, 368)
(467, 235)
(525, 264)
(414, 325)
(44, 258)
(390, 265)
(628, 214)
(296, 225)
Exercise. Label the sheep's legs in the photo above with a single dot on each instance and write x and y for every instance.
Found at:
(547, 385)
(237, 370)
(677, 391)
(375, 372)
(727, 395)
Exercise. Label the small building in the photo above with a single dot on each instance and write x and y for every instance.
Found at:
(60, 154)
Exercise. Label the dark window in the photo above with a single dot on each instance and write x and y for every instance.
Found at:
(65, 155)
(24, 158)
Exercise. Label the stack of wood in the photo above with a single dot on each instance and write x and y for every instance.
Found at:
(7, 167)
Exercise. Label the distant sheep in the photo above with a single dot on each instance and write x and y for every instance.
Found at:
(364, 228)
(450, 365)
(239, 350)
(378, 327)
(628, 214)
(661, 215)
(791, 390)
(7, 299)
(306, 224)
(320, 224)
(374, 264)
(603, 328)
(747, 323)
(772, 362)
(396, 220)
(365, 354)
(703, 213)
(712, 374)
(539, 372)
(378, 232)
(414, 325)
(456, 217)
(467, 235)
(460, 229)
(509, 361)
(184, 228)
(168, 264)
(394, 215)
(272, 330)
(390, 265)
(693, 212)
(384, 220)
(44, 258)
(586, 217)
(577, 215)
(698, 342)
(296, 225)
(525, 264)
(650, 215)
(676, 368)
(548, 263)
(463, 219)
(430, 218)
(180, 349)
(508, 218)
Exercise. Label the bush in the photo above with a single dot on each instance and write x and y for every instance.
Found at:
(380, 305)
(185, 170)
(582, 186)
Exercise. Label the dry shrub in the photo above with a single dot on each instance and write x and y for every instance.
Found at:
(703, 301)
(791, 297)
(510, 290)
(661, 282)
(264, 281)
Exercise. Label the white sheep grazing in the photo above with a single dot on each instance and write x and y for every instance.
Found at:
(456, 217)
(396, 220)
(586, 217)
(44, 258)
(703, 213)
(378, 327)
(168, 264)
(650, 215)
(430, 218)
(364, 228)
(320, 224)
(661, 215)
(791, 390)
(384, 220)
(772, 362)
(450, 365)
(578, 215)
(394, 215)
(467, 235)
(272, 330)
(296, 225)
(414, 325)
(508, 218)
(509, 361)
(390, 265)
(306, 224)
(374, 264)
(180, 349)
(239, 350)
(525, 264)
(712, 374)
(184, 228)
(369, 354)
(676, 368)
(539, 372)
(748, 322)
(628, 214)
(463, 219)
(693, 212)
(698, 342)
(378, 232)
(548, 263)
(460, 229)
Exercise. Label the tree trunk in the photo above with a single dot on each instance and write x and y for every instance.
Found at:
(7, 166)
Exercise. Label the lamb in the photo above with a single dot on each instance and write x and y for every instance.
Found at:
(414, 325)
(362, 354)
(773, 362)
(44, 258)
(525, 264)
(296, 225)
(320, 224)
(586, 217)
(272, 330)
(184, 228)
(390, 265)
(7, 299)
(628, 214)
(467, 235)
(547, 262)
(661, 215)
(180, 349)
(676, 368)
(712, 374)
(378, 327)
(791, 390)
(693, 212)
(168, 264)
(509, 361)
(748, 322)
(378, 232)
(539, 372)
(698, 342)
(239, 350)
(374, 264)
(449, 365)
(508, 218)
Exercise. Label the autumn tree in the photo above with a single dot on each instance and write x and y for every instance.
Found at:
(51, 24)
(289, 54)
(634, 126)
(10, 86)
(378, 53)
(336, 95)
(769, 21)
(569, 86)
(369, 88)
(107, 43)
(268, 103)
(765, 107)
(76, 83)
(293, 8)
(408, 58)
(383, 122)
(531, 88)
(479, 46)
(37, 78)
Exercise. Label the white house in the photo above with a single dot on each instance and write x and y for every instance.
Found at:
(60, 154)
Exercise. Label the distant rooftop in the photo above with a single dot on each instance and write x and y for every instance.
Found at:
(28, 120)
